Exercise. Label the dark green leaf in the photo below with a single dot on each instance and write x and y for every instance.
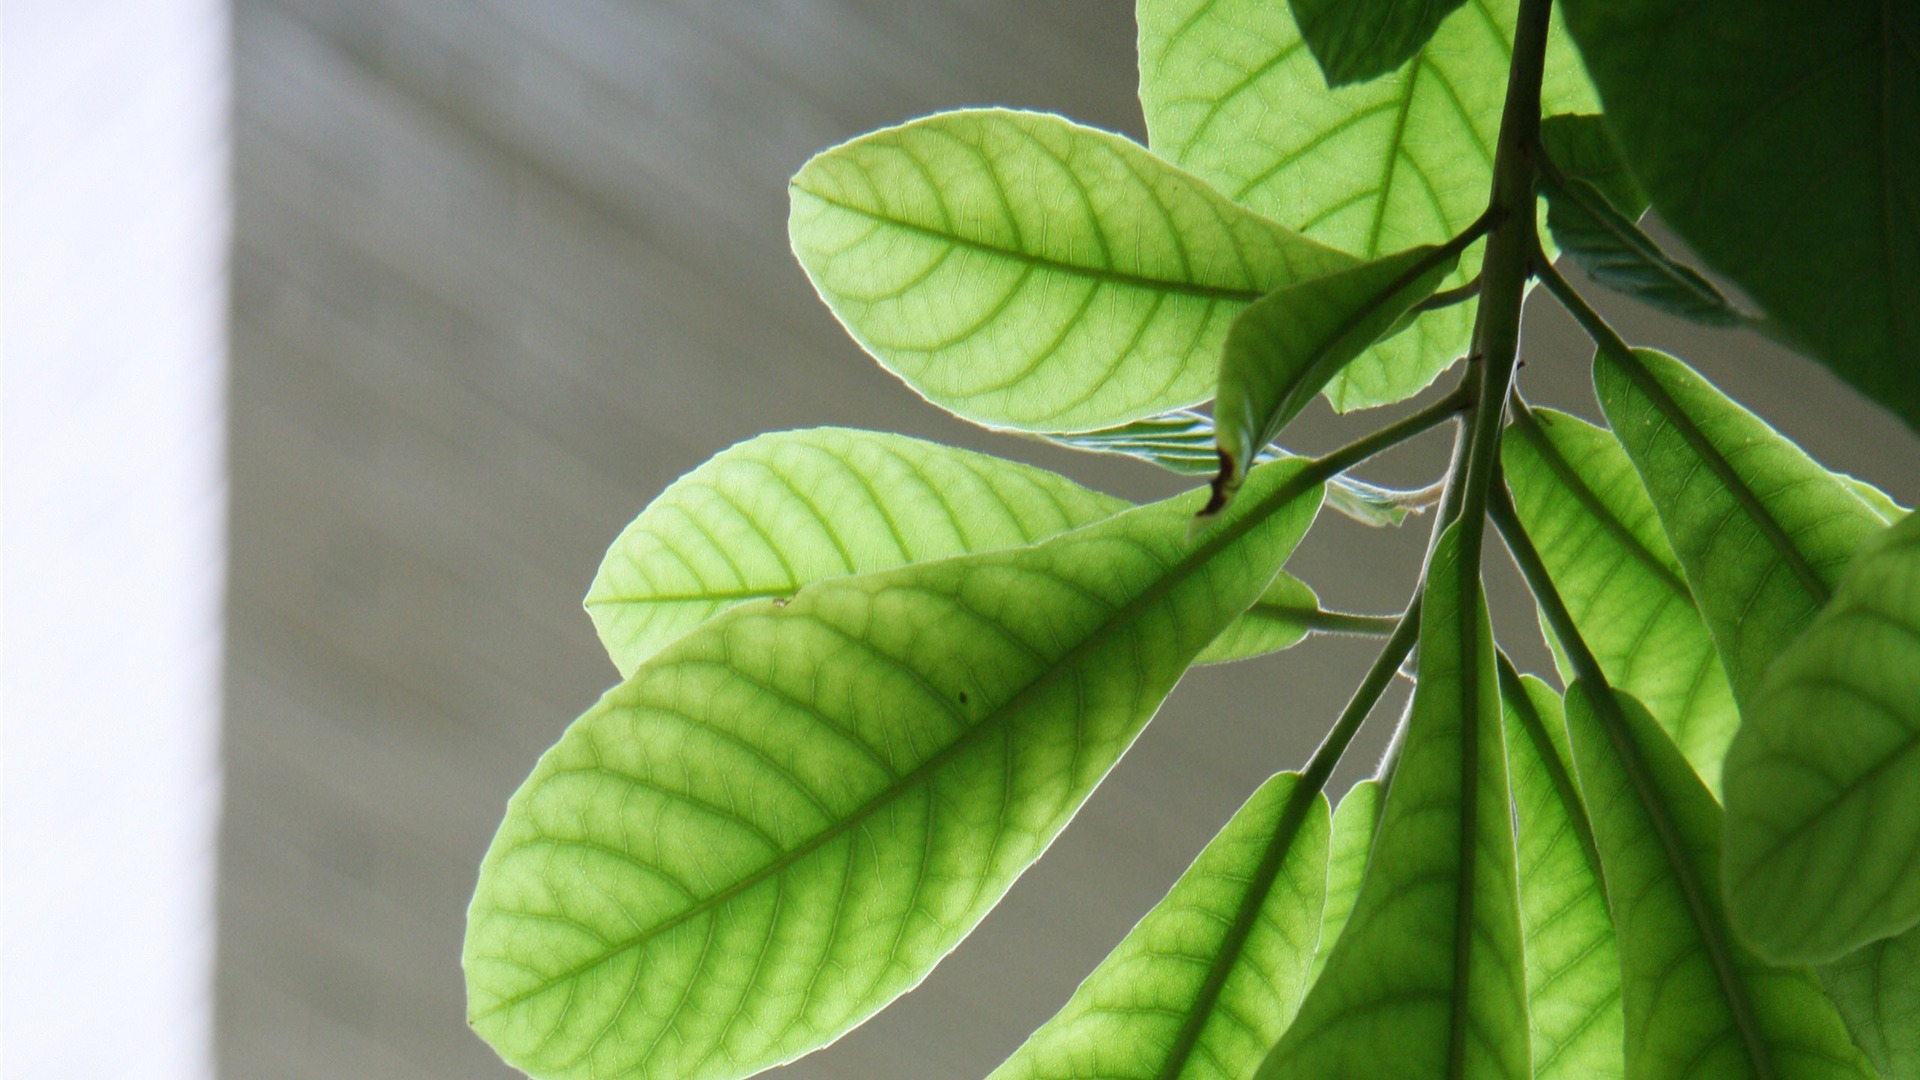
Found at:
(1026, 272)
(1205, 984)
(1581, 148)
(1782, 140)
(1823, 781)
(783, 820)
(1427, 979)
(1697, 1003)
(1877, 991)
(1287, 346)
(1615, 253)
(1357, 40)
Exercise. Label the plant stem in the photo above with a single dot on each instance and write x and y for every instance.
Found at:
(1459, 294)
(1353, 623)
(1602, 332)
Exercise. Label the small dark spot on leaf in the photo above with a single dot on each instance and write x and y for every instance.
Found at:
(963, 697)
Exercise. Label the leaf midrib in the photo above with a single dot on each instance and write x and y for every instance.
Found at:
(1278, 500)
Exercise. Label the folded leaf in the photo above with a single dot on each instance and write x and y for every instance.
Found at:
(1698, 1004)
(1427, 979)
(1782, 140)
(1762, 531)
(1208, 980)
(1614, 252)
(1823, 781)
(1232, 93)
(1573, 965)
(1285, 347)
(1581, 502)
(1025, 272)
(1354, 823)
(1357, 40)
(783, 820)
(1877, 991)
(1581, 148)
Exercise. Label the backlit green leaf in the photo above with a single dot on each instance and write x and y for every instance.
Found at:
(1762, 531)
(1026, 272)
(781, 511)
(1573, 965)
(1877, 991)
(783, 820)
(1881, 502)
(1357, 40)
(1581, 148)
(1354, 823)
(1291, 342)
(1823, 781)
(1697, 1003)
(1782, 140)
(1208, 980)
(1232, 93)
(1427, 978)
(1615, 253)
(1581, 501)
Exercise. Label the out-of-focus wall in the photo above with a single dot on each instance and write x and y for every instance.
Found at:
(503, 270)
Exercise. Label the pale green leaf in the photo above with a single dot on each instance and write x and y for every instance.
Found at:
(1823, 781)
(1581, 148)
(1207, 981)
(1573, 964)
(1761, 530)
(1287, 346)
(1877, 991)
(1881, 502)
(783, 820)
(1782, 140)
(1354, 823)
(1232, 93)
(1427, 978)
(768, 516)
(1698, 1004)
(1025, 272)
(1357, 40)
(1580, 500)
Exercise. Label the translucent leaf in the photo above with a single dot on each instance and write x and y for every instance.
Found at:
(1823, 781)
(1573, 964)
(1025, 272)
(1354, 823)
(1232, 93)
(1762, 531)
(1783, 142)
(1208, 980)
(783, 820)
(1581, 502)
(1287, 346)
(1581, 148)
(1877, 991)
(1427, 979)
(1697, 1003)
(778, 512)
(1357, 40)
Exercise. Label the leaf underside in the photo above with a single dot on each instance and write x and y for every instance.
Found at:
(1877, 991)
(1355, 821)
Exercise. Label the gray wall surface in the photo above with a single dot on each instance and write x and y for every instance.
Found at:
(502, 271)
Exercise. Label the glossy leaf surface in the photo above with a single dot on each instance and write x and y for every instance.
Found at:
(1357, 40)
(1208, 980)
(1427, 978)
(1232, 93)
(1697, 1003)
(1782, 141)
(1823, 782)
(782, 821)
(1581, 502)
(1025, 272)
(1762, 531)
(1355, 821)
(1877, 991)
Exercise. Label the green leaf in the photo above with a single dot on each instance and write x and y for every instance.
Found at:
(1581, 148)
(1615, 253)
(1208, 980)
(1232, 93)
(1782, 141)
(1573, 964)
(1881, 502)
(1025, 272)
(1354, 824)
(1289, 344)
(1823, 781)
(1877, 991)
(1580, 499)
(783, 820)
(1697, 1003)
(1357, 40)
(1762, 531)
(1182, 442)
(1427, 978)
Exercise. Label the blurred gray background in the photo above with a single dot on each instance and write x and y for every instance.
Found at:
(502, 271)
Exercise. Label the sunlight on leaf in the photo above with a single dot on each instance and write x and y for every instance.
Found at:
(1354, 823)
